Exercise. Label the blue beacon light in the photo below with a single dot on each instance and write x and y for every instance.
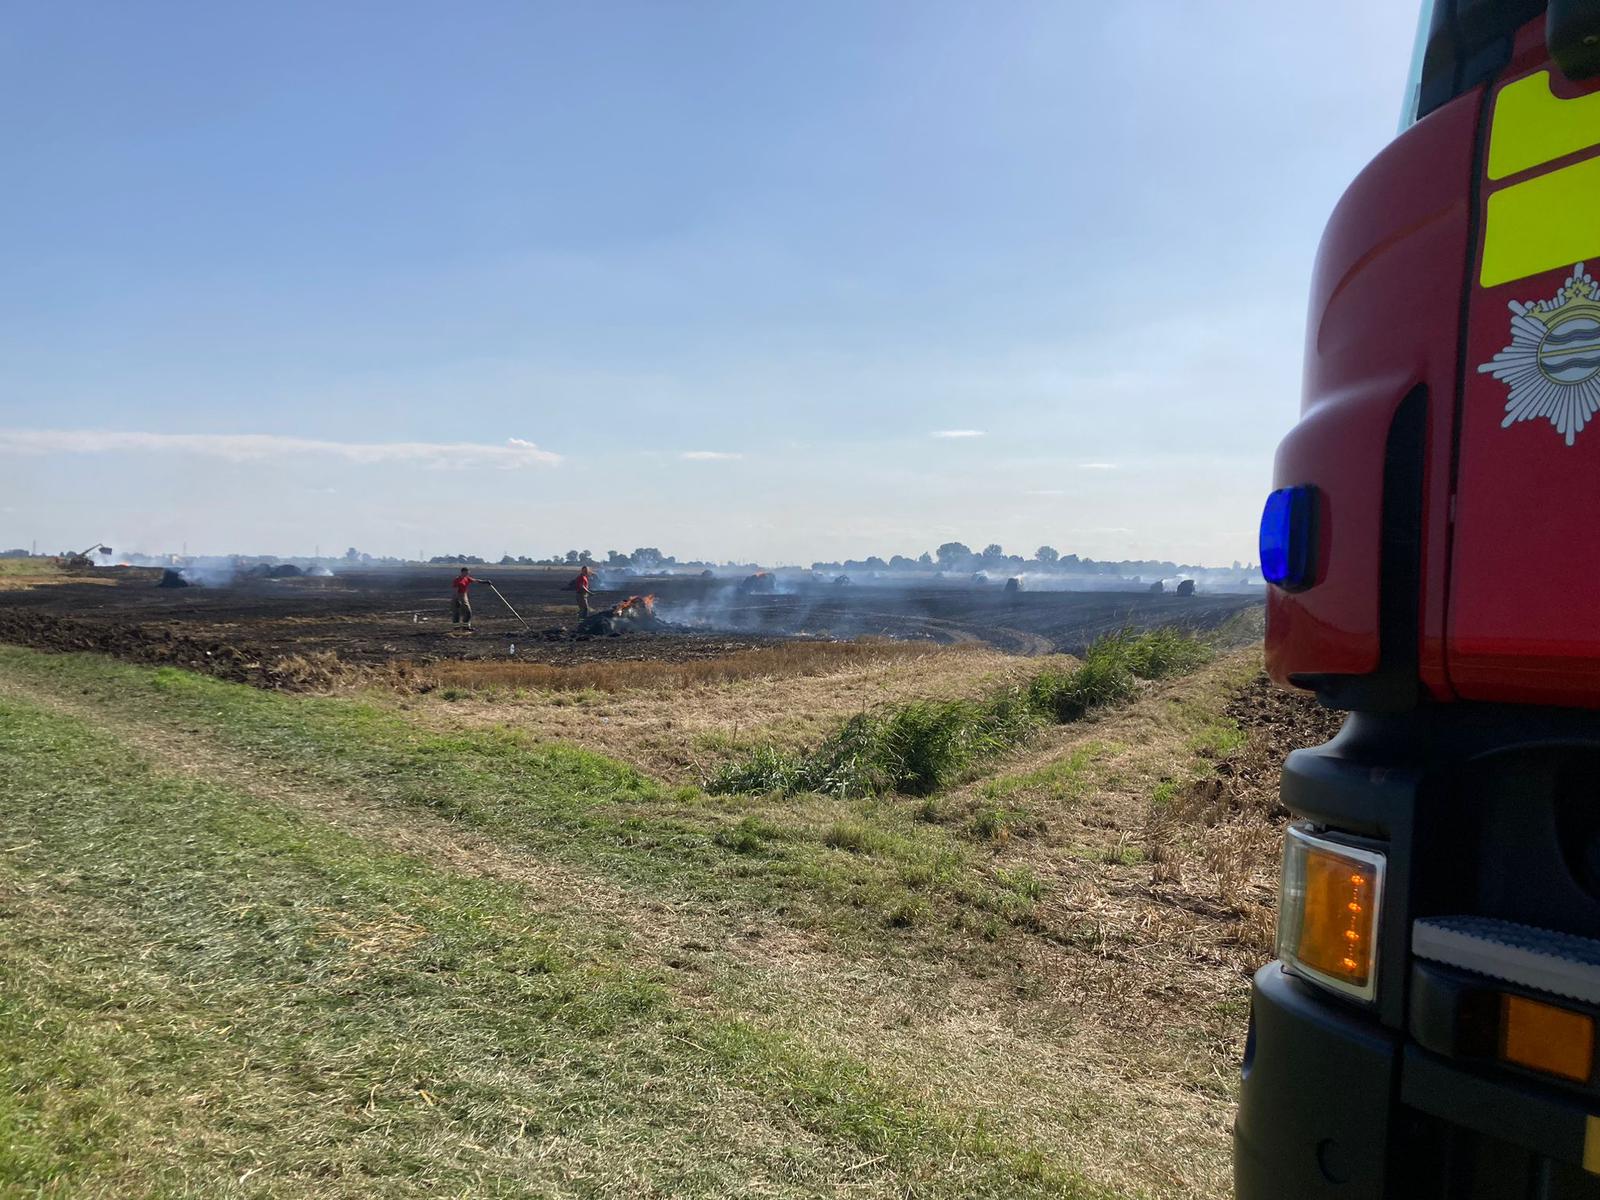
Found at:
(1288, 538)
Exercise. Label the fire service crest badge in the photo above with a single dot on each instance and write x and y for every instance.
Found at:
(1552, 365)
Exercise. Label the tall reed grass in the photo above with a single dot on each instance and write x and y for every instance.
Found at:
(923, 746)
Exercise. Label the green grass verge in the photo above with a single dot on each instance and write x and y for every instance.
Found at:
(207, 994)
(744, 853)
(919, 748)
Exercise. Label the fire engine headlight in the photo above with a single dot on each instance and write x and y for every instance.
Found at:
(1328, 913)
(1289, 538)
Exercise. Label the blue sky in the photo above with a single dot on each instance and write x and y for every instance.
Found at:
(526, 277)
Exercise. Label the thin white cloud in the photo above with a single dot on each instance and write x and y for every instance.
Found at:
(957, 433)
(1048, 492)
(708, 456)
(1097, 466)
(256, 447)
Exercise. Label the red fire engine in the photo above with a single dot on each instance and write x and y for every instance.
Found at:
(1428, 1029)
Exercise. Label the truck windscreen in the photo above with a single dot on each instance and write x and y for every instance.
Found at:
(1461, 44)
(1409, 110)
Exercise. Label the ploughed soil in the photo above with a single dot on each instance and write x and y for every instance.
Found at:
(236, 661)
(1284, 720)
(244, 629)
(1274, 721)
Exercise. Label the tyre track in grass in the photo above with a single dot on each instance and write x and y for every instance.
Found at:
(551, 886)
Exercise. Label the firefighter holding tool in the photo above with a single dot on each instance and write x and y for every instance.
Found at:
(580, 587)
(460, 605)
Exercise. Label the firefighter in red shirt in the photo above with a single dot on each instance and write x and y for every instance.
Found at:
(580, 585)
(460, 606)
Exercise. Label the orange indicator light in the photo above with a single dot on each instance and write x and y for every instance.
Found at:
(1546, 1038)
(1336, 934)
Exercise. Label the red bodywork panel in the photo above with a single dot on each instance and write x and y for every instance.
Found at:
(1511, 498)
(1524, 626)
(1385, 318)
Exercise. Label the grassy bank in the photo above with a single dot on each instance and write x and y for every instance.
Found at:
(267, 944)
(924, 746)
(579, 808)
(208, 994)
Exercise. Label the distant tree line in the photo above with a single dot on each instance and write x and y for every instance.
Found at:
(952, 556)
(957, 556)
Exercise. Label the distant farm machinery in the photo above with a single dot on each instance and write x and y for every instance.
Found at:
(82, 557)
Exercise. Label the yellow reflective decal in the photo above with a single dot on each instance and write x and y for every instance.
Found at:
(1549, 222)
(1591, 1145)
(1533, 126)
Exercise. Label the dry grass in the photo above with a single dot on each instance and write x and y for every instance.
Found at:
(1217, 830)
(1137, 988)
(19, 574)
(682, 735)
(1114, 1026)
(789, 659)
(324, 671)
(1116, 832)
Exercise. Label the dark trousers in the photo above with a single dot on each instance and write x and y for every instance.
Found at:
(461, 611)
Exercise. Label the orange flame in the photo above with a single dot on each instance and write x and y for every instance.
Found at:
(635, 606)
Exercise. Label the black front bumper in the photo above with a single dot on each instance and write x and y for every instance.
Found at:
(1336, 1105)
(1319, 1086)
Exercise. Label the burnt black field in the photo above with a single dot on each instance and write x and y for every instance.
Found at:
(369, 616)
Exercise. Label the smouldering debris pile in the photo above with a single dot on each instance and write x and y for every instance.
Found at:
(634, 614)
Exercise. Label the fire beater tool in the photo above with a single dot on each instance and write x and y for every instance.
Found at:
(507, 603)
